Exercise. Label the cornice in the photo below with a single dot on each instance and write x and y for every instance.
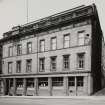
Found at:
(50, 22)
(43, 74)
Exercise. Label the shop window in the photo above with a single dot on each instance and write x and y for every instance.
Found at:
(42, 82)
(19, 83)
(30, 83)
(57, 81)
(71, 81)
(11, 82)
(80, 81)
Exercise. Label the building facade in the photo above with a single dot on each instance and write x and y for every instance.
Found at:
(57, 55)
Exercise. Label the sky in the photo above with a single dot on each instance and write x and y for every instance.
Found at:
(14, 12)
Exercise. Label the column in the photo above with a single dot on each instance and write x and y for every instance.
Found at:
(36, 86)
(50, 85)
(4, 86)
(24, 87)
(76, 86)
(14, 86)
(66, 92)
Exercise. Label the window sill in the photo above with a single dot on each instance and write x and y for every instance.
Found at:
(80, 68)
(42, 71)
(66, 69)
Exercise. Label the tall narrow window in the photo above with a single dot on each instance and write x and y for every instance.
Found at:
(66, 40)
(9, 67)
(10, 51)
(42, 45)
(29, 47)
(80, 60)
(18, 66)
(81, 38)
(28, 65)
(53, 43)
(66, 62)
(53, 63)
(42, 64)
(19, 49)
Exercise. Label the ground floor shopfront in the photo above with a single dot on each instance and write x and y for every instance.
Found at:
(47, 85)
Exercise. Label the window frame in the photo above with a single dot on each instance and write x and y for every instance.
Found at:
(30, 83)
(42, 47)
(10, 71)
(72, 82)
(55, 57)
(27, 61)
(10, 51)
(43, 82)
(80, 83)
(40, 64)
(79, 38)
(83, 60)
(19, 83)
(28, 48)
(18, 70)
(19, 49)
(57, 81)
(52, 38)
(64, 41)
(66, 62)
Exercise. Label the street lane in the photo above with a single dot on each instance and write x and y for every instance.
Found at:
(22, 101)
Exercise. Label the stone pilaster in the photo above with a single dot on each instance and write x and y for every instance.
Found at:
(24, 87)
(50, 85)
(14, 86)
(36, 86)
(76, 86)
(4, 86)
(66, 86)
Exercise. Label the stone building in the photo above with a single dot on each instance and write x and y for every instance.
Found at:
(57, 55)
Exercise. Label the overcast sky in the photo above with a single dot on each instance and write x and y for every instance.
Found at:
(14, 12)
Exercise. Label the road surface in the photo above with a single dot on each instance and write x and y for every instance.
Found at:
(52, 101)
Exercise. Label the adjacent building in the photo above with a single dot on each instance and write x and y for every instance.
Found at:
(62, 54)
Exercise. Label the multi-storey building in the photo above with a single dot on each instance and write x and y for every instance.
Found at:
(57, 55)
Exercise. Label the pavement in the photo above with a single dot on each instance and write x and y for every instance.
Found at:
(57, 97)
(52, 100)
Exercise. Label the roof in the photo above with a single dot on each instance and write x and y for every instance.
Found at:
(51, 21)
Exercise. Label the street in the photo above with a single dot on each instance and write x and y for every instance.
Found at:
(51, 101)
